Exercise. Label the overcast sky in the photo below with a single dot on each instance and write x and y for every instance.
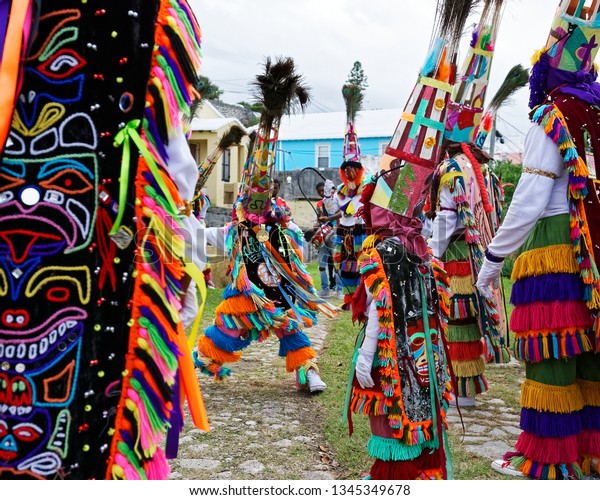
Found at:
(389, 37)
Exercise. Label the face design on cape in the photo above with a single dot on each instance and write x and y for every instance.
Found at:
(48, 201)
(418, 349)
(48, 194)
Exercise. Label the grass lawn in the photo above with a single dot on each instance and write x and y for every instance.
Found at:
(334, 361)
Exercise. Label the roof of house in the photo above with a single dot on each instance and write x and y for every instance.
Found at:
(369, 123)
(245, 116)
(212, 124)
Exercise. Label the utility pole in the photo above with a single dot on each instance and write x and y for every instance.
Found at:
(493, 138)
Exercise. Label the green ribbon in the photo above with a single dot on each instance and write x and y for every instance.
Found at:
(434, 390)
(358, 343)
(123, 137)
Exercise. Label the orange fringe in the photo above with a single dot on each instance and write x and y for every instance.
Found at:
(208, 349)
(238, 305)
(296, 359)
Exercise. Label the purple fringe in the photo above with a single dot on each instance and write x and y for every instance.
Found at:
(152, 130)
(155, 399)
(145, 312)
(474, 37)
(537, 81)
(174, 68)
(548, 288)
(176, 421)
(590, 418)
(550, 425)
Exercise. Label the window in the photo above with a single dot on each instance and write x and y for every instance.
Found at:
(195, 150)
(226, 162)
(323, 155)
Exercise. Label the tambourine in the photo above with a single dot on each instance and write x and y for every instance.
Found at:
(321, 236)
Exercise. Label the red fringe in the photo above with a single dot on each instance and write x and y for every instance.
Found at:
(548, 450)
(550, 316)
(457, 268)
(418, 468)
(463, 351)
(589, 442)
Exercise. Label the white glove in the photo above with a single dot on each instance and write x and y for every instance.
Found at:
(489, 274)
(364, 365)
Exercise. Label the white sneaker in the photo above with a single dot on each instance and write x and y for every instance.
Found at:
(340, 295)
(315, 384)
(324, 294)
(505, 467)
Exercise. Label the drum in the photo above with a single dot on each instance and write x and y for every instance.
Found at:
(321, 236)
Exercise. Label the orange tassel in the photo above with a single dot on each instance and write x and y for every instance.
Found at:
(296, 359)
(210, 350)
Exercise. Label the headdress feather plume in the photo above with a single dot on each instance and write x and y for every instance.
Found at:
(353, 99)
(280, 90)
(515, 79)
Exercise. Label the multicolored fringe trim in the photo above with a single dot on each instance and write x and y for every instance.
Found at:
(550, 319)
(555, 126)
(388, 401)
(246, 314)
(159, 367)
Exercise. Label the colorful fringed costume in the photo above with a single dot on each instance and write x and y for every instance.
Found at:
(400, 375)
(476, 327)
(351, 230)
(554, 220)
(465, 214)
(407, 411)
(94, 366)
(271, 291)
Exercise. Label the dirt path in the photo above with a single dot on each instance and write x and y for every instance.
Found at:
(262, 427)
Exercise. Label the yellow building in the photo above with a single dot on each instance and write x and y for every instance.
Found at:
(207, 128)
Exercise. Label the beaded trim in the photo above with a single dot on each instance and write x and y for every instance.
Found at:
(537, 171)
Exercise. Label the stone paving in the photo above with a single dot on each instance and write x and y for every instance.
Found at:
(262, 427)
(490, 427)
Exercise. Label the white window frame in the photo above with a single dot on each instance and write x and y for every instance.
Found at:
(319, 154)
(226, 166)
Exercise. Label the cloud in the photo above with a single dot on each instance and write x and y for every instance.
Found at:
(325, 37)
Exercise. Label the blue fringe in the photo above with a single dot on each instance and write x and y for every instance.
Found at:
(293, 342)
(226, 342)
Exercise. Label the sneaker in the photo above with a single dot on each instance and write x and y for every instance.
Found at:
(315, 384)
(324, 294)
(340, 295)
(506, 468)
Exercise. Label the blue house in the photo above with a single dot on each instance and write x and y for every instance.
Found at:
(316, 139)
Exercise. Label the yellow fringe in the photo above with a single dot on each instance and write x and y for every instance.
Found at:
(209, 350)
(469, 368)
(552, 259)
(556, 399)
(590, 391)
(537, 54)
(295, 359)
(370, 242)
(462, 285)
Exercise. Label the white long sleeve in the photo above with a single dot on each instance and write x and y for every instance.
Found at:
(181, 165)
(444, 224)
(536, 195)
(372, 329)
